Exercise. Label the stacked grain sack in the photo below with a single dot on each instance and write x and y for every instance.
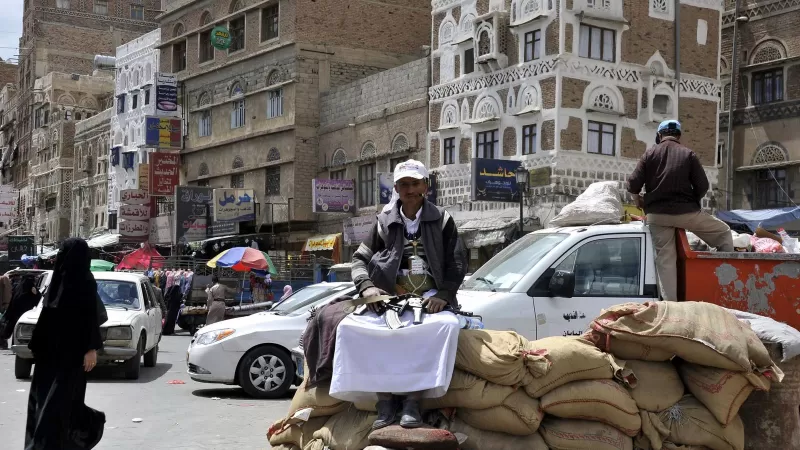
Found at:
(618, 387)
(695, 365)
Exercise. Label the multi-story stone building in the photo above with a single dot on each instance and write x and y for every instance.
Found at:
(573, 88)
(366, 128)
(252, 110)
(63, 36)
(59, 101)
(91, 168)
(8, 73)
(766, 115)
(7, 136)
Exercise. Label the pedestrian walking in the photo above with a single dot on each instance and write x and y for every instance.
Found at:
(64, 345)
(216, 301)
(173, 298)
(25, 298)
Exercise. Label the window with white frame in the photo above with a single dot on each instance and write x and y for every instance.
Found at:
(487, 144)
(601, 139)
(533, 44)
(528, 139)
(275, 104)
(449, 151)
(597, 43)
(205, 123)
(238, 114)
(137, 12)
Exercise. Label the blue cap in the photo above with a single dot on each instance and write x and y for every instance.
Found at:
(670, 124)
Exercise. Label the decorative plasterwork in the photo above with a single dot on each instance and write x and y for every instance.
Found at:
(487, 108)
(400, 143)
(770, 152)
(273, 155)
(101, 17)
(442, 4)
(509, 75)
(604, 99)
(449, 118)
(339, 158)
(768, 51)
(368, 150)
(719, 5)
(447, 31)
(758, 9)
(701, 88)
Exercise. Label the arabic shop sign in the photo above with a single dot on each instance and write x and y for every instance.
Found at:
(356, 229)
(8, 203)
(194, 219)
(134, 212)
(163, 132)
(494, 180)
(144, 177)
(333, 196)
(134, 197)
(20, 245)
(234, 205)
(220, 38)
(134, 228)
(164, 175)
(166, 94)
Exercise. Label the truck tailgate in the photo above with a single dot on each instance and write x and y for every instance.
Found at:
(762, 283)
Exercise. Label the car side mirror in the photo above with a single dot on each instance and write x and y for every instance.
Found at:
(562, 284)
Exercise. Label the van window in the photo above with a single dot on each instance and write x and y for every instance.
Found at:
(503, 272)
(606, 267)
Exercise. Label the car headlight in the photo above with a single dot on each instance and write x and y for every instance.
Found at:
(25, 331)
(119, 334)
(213, 336)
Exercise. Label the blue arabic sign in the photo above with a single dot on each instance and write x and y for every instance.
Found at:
(234, 205)
(494, 180)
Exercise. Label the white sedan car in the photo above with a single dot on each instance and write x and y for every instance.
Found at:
(254, 351)
(133, 329)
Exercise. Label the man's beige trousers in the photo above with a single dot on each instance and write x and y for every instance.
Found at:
(713, 231)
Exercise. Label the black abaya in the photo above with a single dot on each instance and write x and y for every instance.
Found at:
(174, 304)
(67, 329)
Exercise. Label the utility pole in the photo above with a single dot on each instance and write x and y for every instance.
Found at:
(731, 105)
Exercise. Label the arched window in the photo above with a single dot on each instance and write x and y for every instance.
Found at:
(274, 77)
(238, 163)
(203, 170)
(339, 158)
(400, 143)
(205, 19)
(178, 30)
(274, 154)
(236, 5)
(368, 150)
(204, 99)
(770, 152)
(236, 90)
(768, 51)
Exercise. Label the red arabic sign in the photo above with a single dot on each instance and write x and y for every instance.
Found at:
(164, 176)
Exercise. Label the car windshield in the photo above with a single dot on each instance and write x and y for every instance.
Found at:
(503, 272)
(118, 294)
(305, 297)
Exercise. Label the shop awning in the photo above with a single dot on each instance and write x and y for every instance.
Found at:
(768, 218)
(104, 240)
(773, 165)
(486, 231)
(322, 243)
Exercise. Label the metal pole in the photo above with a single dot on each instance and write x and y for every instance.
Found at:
(729, 141)
(521, 203)
(677, 7)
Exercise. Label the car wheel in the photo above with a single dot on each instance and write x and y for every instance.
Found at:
(22, 368)
(134, 365)
(266, 372)
(151, 357)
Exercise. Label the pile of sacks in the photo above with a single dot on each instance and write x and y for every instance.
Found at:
(646, 376)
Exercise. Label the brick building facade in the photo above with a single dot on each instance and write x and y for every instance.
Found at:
(766, 115)
(572, 88)
(366, 128)
(63, 37)
(252, 111)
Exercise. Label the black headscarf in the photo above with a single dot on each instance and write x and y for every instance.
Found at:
(72, 278)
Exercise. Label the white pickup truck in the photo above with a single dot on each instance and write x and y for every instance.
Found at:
(553, 282)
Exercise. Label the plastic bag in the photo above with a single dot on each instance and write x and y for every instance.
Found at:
(790, 244)
(599, 203)
(770, 330)
(741, 240)
(766, 245)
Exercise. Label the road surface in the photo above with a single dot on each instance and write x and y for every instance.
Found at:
(191, 416)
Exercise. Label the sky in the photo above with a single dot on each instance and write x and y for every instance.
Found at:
(10, 28)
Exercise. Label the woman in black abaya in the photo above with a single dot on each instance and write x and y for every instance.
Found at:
(64, 344)
(24, 299)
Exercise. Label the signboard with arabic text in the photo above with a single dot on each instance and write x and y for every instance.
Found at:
(8, 203)
(134, 228)
(134, 197)
(134, 212)
(164, 173)
(162, 230)
(494, 180)
(356, 229)
(234, 205)
(144, 177)
(166, 94)
(163, 132)
(20, 245)
(333, 196)
(194, 219)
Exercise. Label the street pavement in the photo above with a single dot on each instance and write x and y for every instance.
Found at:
(174, 416)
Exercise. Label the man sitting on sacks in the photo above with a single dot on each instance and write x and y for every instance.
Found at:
(413, 248)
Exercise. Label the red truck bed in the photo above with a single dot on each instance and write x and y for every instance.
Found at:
(762, 283)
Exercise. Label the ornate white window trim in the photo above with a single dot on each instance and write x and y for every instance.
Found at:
(604, 100)
(368, 150)
(339, 158)
(662, 9)
(447, 31)
(529, 100)
(400, 143)
(487, 108)
(768, 50)
(449, 116)
(770, 152)
(659, 90)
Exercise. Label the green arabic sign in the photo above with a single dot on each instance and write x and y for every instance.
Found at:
(220, 38)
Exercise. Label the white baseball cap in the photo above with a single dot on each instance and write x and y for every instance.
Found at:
(410, 169)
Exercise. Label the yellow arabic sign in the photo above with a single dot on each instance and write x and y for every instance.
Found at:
(321, 243)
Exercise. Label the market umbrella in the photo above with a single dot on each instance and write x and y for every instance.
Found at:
(240, 259)
(271, 267)
(141, 259)
(101, 265)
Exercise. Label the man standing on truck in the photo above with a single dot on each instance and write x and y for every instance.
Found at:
(675, 184)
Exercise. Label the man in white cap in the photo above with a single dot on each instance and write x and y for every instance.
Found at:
(412, 249)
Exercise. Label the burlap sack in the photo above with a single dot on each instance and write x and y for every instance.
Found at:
(569, 434)
(721, 391)
(298, 435)
(316, 444)
(495, 356)
(317, 398)
(698, 332)
(571, 359)
(346, 430)
(519, 415)
(599, 400)
(688, 422)
(658, 385)
(286, 447)
(478, 439)
(395, 436)
(626, 350)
